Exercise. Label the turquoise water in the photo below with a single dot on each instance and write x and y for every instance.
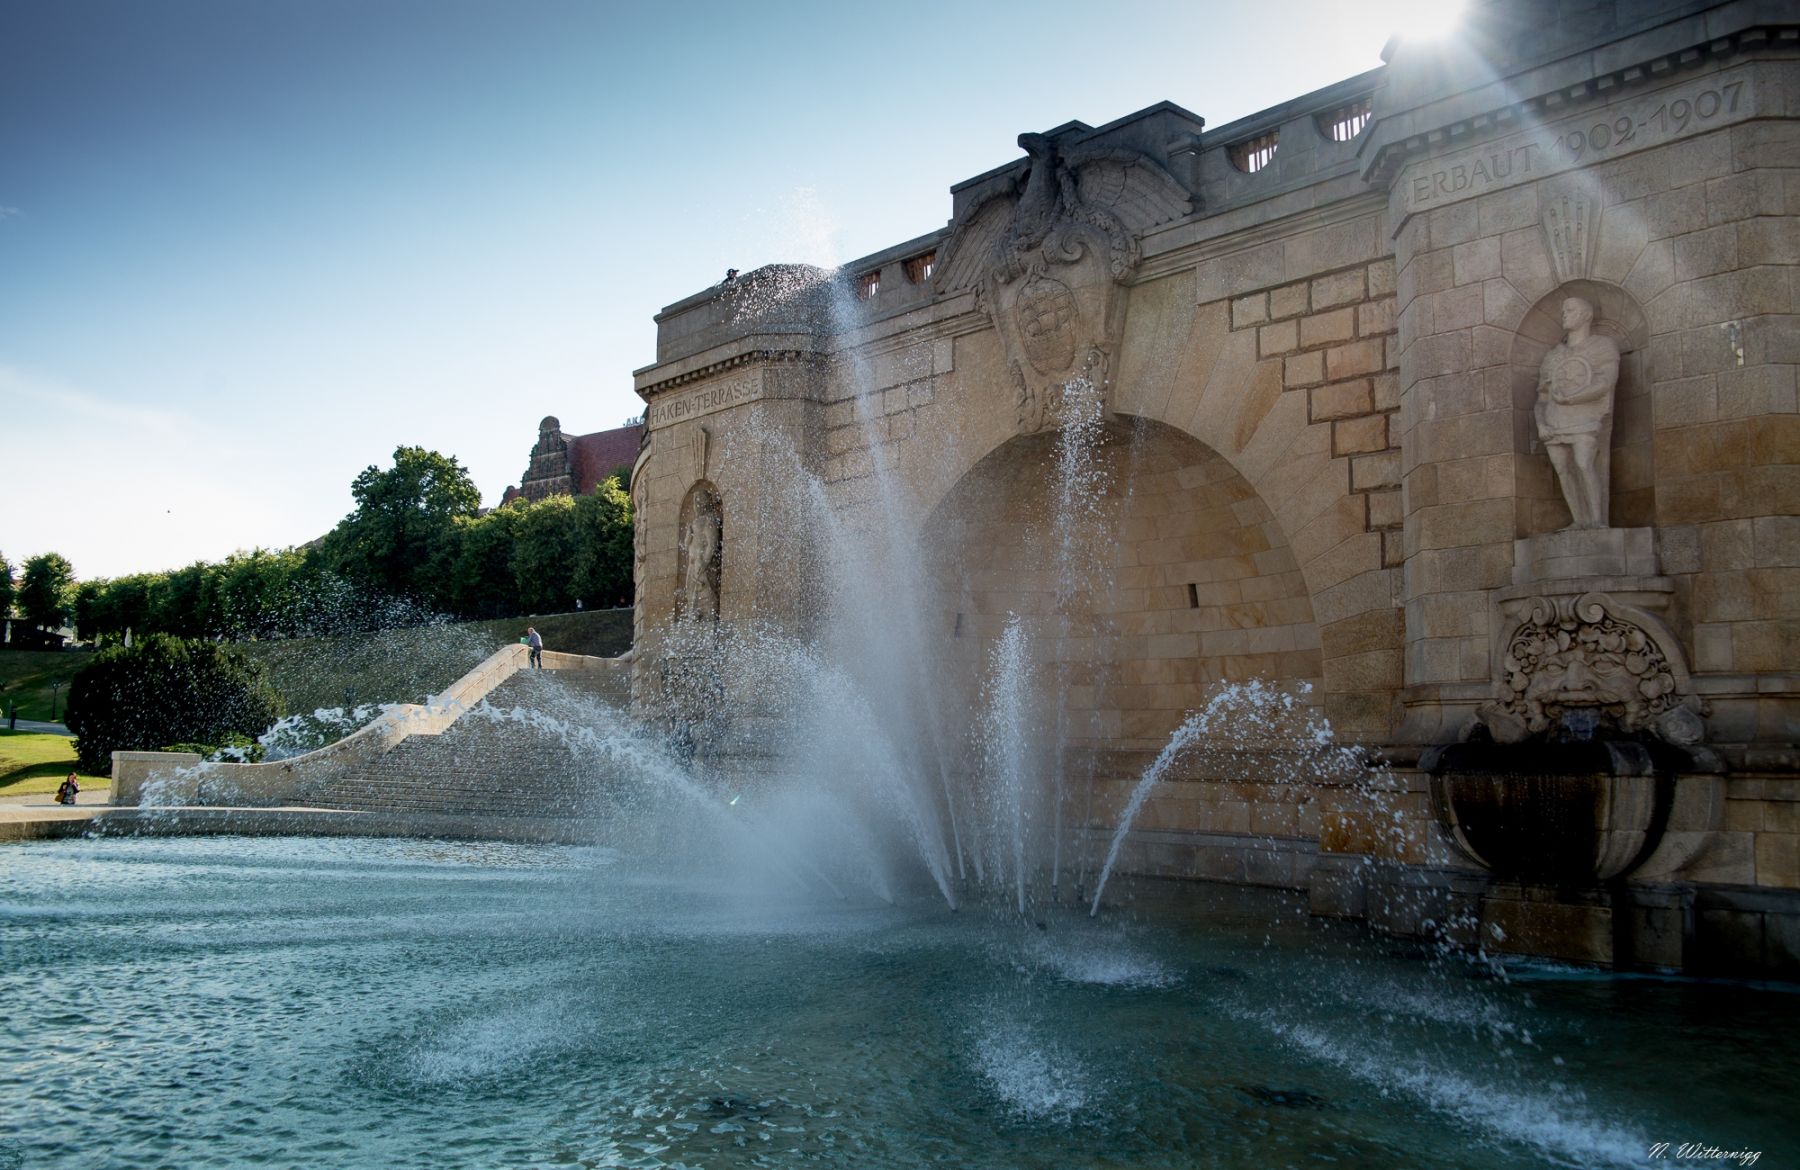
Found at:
(316, 1002)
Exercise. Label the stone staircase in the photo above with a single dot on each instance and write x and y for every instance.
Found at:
(487, 766)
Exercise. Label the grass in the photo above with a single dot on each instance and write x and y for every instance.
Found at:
(26, 676)
(33, 763)
(404, 666)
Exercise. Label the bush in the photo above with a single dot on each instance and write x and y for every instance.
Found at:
(165, 690)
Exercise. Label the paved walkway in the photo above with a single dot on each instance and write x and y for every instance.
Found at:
(41, 726)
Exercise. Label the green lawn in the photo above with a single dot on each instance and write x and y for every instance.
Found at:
(404, 666)
(34, 763)
(27, 675)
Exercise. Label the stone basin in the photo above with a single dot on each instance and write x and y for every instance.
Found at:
(1555, 813)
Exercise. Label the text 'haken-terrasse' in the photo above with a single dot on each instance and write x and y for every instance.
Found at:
(1576, 141)
(704, 402)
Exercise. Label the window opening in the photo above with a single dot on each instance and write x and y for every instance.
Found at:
(868, 284)
(1253, 154)
(1345, 122)
(920, 268)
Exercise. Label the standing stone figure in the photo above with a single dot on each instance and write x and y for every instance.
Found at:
(700, 593)
(1575, 412)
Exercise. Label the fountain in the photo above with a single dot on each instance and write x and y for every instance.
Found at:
(1150, 674)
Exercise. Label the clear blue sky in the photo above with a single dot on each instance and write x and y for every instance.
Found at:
(248, 247)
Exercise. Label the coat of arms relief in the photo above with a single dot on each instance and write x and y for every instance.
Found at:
(1049, 253)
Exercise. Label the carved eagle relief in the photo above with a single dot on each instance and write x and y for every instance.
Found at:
(1048, 252)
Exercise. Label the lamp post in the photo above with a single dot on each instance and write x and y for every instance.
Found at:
(55, 686)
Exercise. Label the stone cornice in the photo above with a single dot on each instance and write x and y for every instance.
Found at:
(1387, 159)
(748, 357)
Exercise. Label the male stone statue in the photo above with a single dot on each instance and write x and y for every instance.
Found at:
(1575, 412)
(702, 599)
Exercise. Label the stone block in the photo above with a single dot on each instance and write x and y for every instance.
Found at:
(1585, 552)
(1770, 240)
(1375, 317)
(1341, 400)
(1279, 338)
(1778, 860)
(1386, 509)
(1443, 353)
(1730, 296)
(1477, 260)
(1458, 308)
(1454, 224)
(1381, 278)
(1370, 472)
(1777, 541)
(1339, 288)
(1349, 361)
(1237, 273)
(1683, 402)
(1250, 310)
(1355, 436)
(1506, 211)
(1525, 263)
(1706, 252)
(1666, 214)
(1289, 300)
(1753, 391)
(1384, 391)
(1324, 328)
(1304, 369)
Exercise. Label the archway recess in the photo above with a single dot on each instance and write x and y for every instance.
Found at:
(1160, 577)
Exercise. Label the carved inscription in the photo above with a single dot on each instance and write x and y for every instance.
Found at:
(1664, 116)
(704, 401)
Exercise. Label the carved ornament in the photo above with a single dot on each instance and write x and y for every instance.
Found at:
(1587, 662)
(1048, 257)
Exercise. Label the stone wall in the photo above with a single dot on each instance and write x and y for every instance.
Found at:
(1341, 350)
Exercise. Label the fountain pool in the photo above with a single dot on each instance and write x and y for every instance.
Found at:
(320, 1002)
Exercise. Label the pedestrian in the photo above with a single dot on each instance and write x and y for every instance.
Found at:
(66, 793)
(536, 640)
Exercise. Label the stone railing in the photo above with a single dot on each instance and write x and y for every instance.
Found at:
(181, 778)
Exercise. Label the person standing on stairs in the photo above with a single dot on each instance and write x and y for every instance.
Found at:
(537, 646)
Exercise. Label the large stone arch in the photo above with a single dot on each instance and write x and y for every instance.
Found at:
(1174, 577)
(1185, 367)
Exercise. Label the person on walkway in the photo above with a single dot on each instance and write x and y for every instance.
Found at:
(66, 793)
(537, 646)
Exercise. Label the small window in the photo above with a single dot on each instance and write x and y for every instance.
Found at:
(1345, 122)
(1253, 154)
(868, 284)
(920, 268)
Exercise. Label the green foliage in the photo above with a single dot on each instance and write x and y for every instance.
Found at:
(543, 556)
(163, 690)
(603, 545)
(397, 540)
(480, 581)
(415, 550)
(47, 592)
(7, 588)
(236, 749)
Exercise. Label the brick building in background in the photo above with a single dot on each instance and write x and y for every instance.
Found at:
(574, 465)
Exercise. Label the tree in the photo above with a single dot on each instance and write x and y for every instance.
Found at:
(399, 538)
(481, 577)
(47, 591)
(163, 690)
(603, 545)
(543, 556)
(7, 588)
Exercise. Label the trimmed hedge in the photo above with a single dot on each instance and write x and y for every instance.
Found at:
(163, 690)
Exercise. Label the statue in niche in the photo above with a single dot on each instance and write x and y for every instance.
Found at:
(699, 593)
(1574, 665)
(1576, 385)
(1048, 255)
